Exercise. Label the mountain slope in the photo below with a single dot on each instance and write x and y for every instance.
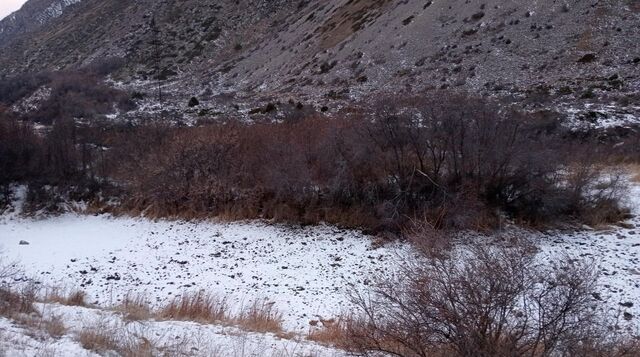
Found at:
(347, 49)
(33, 15)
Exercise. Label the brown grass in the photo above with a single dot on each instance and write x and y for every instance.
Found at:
(634, 171)
(41, 327)
(329, 332)
(260, 317)
(53, 326)
(13, 303)
(73, 298)
(134, 308)
(97, 339)
(101, 337)
(200, 307)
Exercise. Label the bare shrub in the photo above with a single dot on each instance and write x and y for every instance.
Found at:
(8, 270)
(458, 161)
(481, 302)
(200, 306)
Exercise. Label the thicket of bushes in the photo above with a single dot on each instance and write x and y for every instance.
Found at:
(61, 161)
(60, 164)
(454, 161)
(77, 93)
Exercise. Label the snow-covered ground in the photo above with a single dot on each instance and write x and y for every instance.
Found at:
(305, 271)
(615, 253)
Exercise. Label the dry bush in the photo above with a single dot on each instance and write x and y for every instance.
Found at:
(200, 306)
(8, 270)
(494, 301)
(260, 316)
(13, 303)
(459, 161)
(455, 160)
(79, 94)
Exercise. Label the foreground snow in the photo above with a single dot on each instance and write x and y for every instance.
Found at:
(166, 337)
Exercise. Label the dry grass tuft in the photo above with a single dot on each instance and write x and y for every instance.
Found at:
(107, 338)
(134, 308)
(329, 332)
(77, 298)
(73, 298)
(634, 171)
(260, 317)
(200, 307)
(97, 339)
(54, 326)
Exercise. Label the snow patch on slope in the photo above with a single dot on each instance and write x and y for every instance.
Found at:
(55, 10)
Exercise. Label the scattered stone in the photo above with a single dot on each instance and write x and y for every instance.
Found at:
(115, 277)
(193, 102)
(588, 58)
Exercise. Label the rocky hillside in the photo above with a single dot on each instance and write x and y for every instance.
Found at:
(235, 54)
(34, 14)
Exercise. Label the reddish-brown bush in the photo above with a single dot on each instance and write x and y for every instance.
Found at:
(458, 162)
(496, 301)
